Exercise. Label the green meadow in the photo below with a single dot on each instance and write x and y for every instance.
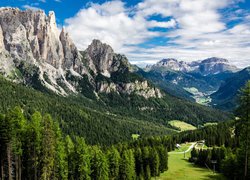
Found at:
(179, 168)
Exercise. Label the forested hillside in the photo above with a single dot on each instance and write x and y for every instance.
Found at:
(226, 96)
(113, 119)
(78, 115)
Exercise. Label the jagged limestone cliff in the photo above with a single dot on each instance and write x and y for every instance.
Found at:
(32, 50)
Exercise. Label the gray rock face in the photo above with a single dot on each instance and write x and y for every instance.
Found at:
(137, 87)
(205, 67)
(215, 65)
(101, 58)
(31, 40)
(172, 64)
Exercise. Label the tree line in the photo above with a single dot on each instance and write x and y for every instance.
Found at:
(233, 156)
(35, 148)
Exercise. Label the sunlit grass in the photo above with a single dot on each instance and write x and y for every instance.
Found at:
(180, 169)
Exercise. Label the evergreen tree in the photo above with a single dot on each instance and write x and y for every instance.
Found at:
(229, 166)
(18, 127)
(163, 154)
(138, 163)
(154, 162)
(69, 147)
(114, 161)
(32, 147)
(82, 159)
(146, 163)
(127, 165)
(48, 151)
(99, 164)
(61, 165)
(243, 113)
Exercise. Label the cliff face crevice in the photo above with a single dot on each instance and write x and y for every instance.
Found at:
(32, 39)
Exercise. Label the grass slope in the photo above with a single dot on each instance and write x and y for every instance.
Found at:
(183, 126)
(179, 168)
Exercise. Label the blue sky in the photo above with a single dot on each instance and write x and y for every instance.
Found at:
(149, 30)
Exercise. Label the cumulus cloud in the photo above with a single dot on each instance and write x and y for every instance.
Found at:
(112, 23)
(191, 29)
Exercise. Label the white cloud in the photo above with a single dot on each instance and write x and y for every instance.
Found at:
(111, 23)
(168, 24)
(31, 7)
(195, 29)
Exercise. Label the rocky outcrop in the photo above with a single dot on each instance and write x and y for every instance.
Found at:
(31, 45)
(137, 87)
(32, 37)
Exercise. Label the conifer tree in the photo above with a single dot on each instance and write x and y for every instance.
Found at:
(18, 127)
(82, 160)
(61, 164)
(69, 146)
(99, 164)
(127, 165)
(154, 162)
(114, 160)
(243, 113)
(48, 151)
(32, 147)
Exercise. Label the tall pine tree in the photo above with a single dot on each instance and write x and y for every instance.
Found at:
(243, 131)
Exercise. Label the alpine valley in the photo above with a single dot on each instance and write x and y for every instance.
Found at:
(206, 81)
(82, 89)
(98, 96)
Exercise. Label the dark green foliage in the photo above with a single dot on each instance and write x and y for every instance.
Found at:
(78, 115)
(82, 160)
(243, 131)
(99, 164)
(37, 149)
(228, 100)
(114, 161)
(232, 161)
(127, 169)
(110, 115)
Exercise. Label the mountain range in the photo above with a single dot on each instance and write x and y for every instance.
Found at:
(96, 88)
(197, 80)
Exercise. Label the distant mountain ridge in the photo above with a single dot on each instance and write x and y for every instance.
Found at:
(190, 80)
(204, 67)
(227, 95)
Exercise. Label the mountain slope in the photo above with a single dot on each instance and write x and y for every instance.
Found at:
(226, 96)
(79, 116)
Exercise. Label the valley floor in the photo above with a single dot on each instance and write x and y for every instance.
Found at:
(179, 168)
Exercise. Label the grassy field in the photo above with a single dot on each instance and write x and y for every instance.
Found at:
(183, 147)
(182, 125)
(180, 169)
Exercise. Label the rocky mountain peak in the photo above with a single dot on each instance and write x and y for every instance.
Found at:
(215, 60)
(100, 56)
(31, 38)
(33, 51)
(171, 64)
(215, 65)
